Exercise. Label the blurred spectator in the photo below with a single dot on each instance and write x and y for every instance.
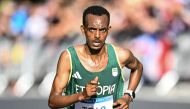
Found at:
(19, 18)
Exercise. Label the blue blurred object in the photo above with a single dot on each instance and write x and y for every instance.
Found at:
(18, 20)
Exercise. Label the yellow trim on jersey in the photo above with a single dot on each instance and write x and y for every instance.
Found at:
(70, 65)
(118, 62)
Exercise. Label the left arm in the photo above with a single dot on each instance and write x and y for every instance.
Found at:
(136, 67)
(127, 59)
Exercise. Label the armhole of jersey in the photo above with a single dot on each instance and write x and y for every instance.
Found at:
(118, 62)
(71, 66)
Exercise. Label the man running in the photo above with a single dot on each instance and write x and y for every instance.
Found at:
(90, 74)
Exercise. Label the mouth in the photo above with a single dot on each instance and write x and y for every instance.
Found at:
(96, 43)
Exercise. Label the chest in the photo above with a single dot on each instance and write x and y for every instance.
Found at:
(94, 65)
(108, 80)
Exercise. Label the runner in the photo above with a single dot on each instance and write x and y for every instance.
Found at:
(90, 74)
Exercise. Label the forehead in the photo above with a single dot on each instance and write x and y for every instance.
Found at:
(96, 21)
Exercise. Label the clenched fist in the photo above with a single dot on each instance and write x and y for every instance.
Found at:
(91, 88)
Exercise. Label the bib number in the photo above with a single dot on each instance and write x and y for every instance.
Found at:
(96, 103)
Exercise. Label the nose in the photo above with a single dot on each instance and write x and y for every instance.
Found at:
(97, 34)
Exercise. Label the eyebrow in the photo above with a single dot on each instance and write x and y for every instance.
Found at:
(97, 28)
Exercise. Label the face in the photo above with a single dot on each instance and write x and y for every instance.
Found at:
(96, 31)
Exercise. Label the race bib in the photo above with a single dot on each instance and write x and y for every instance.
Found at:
(96, 103)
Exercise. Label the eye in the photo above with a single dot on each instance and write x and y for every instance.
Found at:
(91, 29)
(103, 30)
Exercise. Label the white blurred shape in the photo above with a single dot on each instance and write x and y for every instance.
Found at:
(24, 83)
(37, 25)
(3, 83)
(166, 83)
(45, 86)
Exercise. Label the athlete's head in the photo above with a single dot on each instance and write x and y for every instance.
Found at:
(95, 10)
(95, 26)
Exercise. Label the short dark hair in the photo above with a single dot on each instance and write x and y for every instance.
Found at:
(95, 10)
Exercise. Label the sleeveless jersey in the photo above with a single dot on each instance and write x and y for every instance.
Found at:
(110, 83)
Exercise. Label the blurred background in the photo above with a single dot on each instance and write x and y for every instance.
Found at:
(33, 33)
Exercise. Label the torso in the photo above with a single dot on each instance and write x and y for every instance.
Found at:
(110, 83)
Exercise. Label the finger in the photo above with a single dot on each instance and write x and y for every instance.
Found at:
(94, 86)
(122, 106)
(91, 86)
(116, 105)
(94, 81)
(94, 89)
(125, 107)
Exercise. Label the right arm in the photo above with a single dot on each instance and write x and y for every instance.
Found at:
(56, 99)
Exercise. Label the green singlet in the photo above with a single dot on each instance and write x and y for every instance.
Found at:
(110, 85)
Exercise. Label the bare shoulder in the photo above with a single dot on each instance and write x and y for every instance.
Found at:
(123, 54)
(64, 62)
(80, 50)
(65, 56)
(79, 47)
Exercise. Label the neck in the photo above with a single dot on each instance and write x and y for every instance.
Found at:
(96, 58)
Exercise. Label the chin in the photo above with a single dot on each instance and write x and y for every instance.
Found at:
(95, 47)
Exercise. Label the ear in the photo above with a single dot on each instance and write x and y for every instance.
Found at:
(109, 28)
(82, 28)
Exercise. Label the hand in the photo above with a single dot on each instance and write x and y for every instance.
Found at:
(122, 103)
(91, 88)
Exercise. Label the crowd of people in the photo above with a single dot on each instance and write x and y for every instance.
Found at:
(34, 32)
